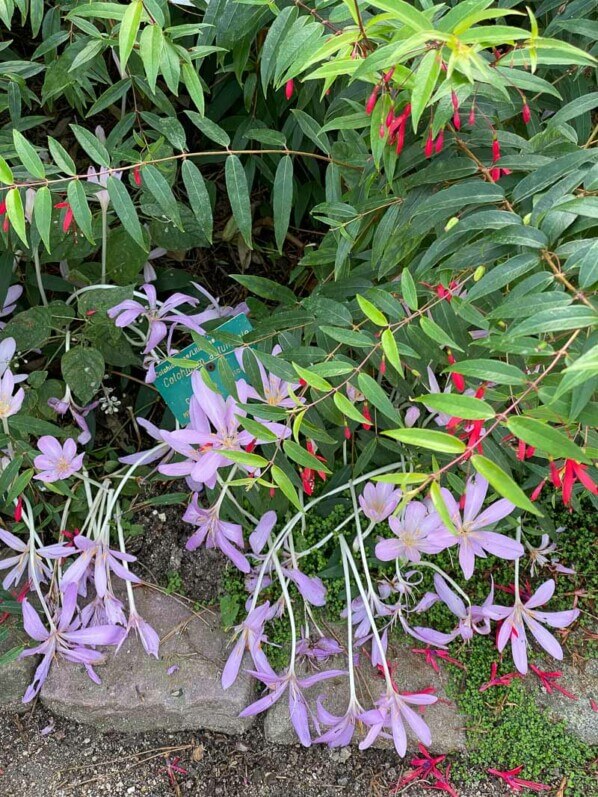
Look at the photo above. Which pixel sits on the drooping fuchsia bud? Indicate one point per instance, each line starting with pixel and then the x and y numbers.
pixel 372 100
pixel 495 150
pixel 382 369
pixel 382 131
pixel 368 416
pixel 457 379
pixel 456 121
pixel 526 113
pixel 455 101
pixel 401 137
pixel 439 142
pixel 387 76
pixel 471 120
pixel 289 88
pixel 137 175
pixel 19 509
pixel 495 175
pixel 407 110
pixel 347 433
pixel 390 117
pixel 429 147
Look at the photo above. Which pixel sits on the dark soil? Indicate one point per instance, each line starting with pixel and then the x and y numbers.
pixel 45 756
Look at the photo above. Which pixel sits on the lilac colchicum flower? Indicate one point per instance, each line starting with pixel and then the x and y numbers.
pixel 100 177
pixel 275 391
pixel 215 533
pixel 79 414
pixel 515 620
pixel 66 639
pixel 415 533
pixel 378 501
pixel 318 650
pixel 104 561
pixel 38 571
pixel 8 348
pixel 205 449
pixel 341 729
pixel 298 709
pixel 127 312
pixel 149 272
pixel 541 557
pixel 387 720
pixel 13 294
pixel 10 402
pixel 472 619
pixel 250 637
pixel 57 462
pixel 473 537
pixel 148 636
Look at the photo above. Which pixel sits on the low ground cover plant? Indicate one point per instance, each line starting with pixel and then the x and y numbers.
pixel 408 194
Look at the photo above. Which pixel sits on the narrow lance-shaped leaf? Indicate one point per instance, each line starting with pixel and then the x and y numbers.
pixel 5 173
pixel 428 438
pixel 286 485
pixel 298 454
pixel 546 438
pixel 468 407
pixel 28 155
pixel 156 184
pixel 81 212
pixel 16 214
pixel 503 483
pixel 313 380
pixel 125 210
pixel 408 289
pixel 371 311
pixel 238 194
pixel 199 199
pixel 348 409
pixel 282 199
pixel 194 87
pixel 128 31
pixel 42 214
pixel 92 146
pixel 441 507
pixel 391 351
pixel 151 42
pixel 424 84
pixel 61 157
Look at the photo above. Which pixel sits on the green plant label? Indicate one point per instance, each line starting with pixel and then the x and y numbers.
pixel 173 375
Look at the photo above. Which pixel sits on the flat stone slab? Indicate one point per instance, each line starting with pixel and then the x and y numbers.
pixel 578 715
pixel 17 674
pixel 137 693
pixel 411 674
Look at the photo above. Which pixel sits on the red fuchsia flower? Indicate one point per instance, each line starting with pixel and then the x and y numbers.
pixel 457 379
pixel 456 117
pixel 549 679
pixel 429 146
pixel 289 88
pixel 308 475
pixel 368 416
pixel 524 451
pixel 387 76
pixel 517 784
pixel 432 656
pixel 566 477
pixel 372 100
pixel 68 216
pixel 526 113
pixel 498 680
pixel 18 515
pixel 439 143
pixel 423 767
pixel 495 150
pixel 390 117
pixel 137 175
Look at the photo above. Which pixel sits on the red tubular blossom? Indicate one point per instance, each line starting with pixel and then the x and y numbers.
pixel 6 224
pixel 382 131
pixel 471 120
pixel 568 481
pixel 555 477
pixel 536 493
pixel 429 146
pixel 137 175
pixel 588 483
pixel 390 116
pixel 387 76
pixel 401 137
pixel 347 432
pixel 517 784
pixel 19 510
pixel 521 450
pixel 548 681
pixel 2 208
pixel 526 113
pixel 439 143
pixel 458 380
pixel 495 150
pixel 495 175
pixel 372 100
pixel 455 101
pixel 289 88
pixel 382 369
pixel 368 416
pixel 456 120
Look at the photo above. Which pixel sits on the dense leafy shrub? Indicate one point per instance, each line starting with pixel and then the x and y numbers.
pixel 436 347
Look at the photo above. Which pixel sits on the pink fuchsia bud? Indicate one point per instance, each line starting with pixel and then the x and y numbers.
pixel 536 493
pixel 471 120
pixel 137 175
pixel 289 89
pixel 5 224
pixel 382 131
pixel 372 100
pixel 19 509
pixel 439 142
pixel 457 379
pixel 387 76
pixel 495 150
pixel 390 117
pixel 382 369
pixel 456 121
pixel 407 111
pixel 347 433
pixel 68 216
pixel 368 416
pixel 495 175
pixel 455 101
pixel 2 208
pixel 429 146
pixel 526 113
pixel 401 138
pixel 272 492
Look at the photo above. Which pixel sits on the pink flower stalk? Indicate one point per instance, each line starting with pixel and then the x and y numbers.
pixel 517 784
pixel 127 312
pixel 392 710
pixel 57 462
pixel 9 404
pixel 473 537
pixel 215 533
pixel 522 615
pixel 66 639
pixel 379 500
